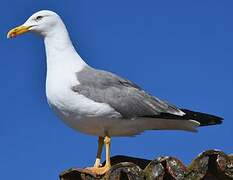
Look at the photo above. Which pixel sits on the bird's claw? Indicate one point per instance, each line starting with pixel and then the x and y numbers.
pixel 98 170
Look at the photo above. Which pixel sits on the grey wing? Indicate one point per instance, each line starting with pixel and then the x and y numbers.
pixel 124 96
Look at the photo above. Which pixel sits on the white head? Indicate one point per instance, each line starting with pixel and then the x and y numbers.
pixel 42 22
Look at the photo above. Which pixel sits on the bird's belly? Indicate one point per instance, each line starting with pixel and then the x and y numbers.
pixel 79 112
pixel 90 117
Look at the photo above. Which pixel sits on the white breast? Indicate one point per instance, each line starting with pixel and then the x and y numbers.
pixel 63 62
pixel 71 107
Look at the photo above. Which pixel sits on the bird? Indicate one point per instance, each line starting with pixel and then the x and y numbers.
pixel 98 102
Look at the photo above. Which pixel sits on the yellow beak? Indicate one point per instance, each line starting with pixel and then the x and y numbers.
pixel 17 31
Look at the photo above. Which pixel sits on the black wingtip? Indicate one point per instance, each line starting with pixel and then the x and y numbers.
pixel 203 118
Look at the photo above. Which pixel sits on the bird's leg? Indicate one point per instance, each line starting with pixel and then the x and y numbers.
pixel 107 141
pixel 97 169
pixel 99 152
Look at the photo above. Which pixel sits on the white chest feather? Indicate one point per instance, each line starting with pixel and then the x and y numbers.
pixel 70 106
pixel 63 64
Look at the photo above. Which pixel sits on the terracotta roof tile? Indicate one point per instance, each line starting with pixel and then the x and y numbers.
pixel 209 165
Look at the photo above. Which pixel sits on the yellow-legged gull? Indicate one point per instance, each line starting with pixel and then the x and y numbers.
pixel 98 102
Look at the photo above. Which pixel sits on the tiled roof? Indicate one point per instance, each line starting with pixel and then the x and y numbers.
pixel 209 165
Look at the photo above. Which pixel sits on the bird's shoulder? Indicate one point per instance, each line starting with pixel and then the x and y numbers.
pixel 103 79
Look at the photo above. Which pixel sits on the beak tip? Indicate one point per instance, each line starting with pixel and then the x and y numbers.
pixel 10 35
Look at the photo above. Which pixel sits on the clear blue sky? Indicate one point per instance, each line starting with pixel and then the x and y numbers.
pixel 180 51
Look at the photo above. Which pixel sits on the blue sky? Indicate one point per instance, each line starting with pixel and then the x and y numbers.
pixel 180 51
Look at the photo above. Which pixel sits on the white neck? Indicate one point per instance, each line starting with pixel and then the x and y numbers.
pixel 59 48
pixel 63 63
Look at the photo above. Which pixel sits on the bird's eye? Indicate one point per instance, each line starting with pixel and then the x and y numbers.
pixel 39 18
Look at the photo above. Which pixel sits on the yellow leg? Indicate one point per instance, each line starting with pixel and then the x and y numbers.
pixel 107 141
pixel 99 152
pixel 97 169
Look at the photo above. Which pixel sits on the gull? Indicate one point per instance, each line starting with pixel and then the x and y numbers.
pixel 98 102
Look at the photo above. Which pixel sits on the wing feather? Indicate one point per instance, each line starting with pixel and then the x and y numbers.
pixel 123 95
